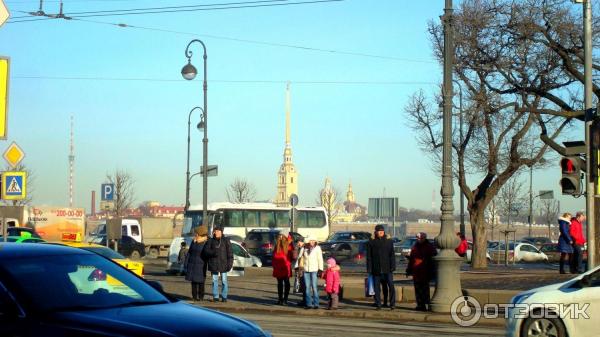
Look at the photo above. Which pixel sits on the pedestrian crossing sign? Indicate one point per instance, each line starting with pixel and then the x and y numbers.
pixel 14 185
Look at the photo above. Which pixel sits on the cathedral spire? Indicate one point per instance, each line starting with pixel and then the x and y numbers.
pixel 287 175
pixel 287 115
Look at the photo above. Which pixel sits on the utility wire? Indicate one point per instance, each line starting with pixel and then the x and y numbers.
pixel 272 44
pixel 179 9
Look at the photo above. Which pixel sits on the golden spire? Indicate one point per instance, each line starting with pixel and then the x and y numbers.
pixel 287 115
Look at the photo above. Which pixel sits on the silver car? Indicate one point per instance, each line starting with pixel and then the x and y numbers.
pixel 241 257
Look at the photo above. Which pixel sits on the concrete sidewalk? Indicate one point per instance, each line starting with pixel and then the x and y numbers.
pixel 256 292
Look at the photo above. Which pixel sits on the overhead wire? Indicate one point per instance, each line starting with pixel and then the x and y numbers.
pixel 191 8
pixel 272 44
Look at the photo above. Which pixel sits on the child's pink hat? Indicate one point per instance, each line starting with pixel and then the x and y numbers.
pixel 331 262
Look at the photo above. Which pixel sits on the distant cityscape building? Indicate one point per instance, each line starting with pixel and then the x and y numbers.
pixel 287 177
pixel 347 211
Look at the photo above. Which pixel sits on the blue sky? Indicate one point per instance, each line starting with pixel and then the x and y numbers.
pixel 344 130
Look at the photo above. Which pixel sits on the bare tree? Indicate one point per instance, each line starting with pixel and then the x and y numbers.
pixel 493 217
pixel 124 190
pixel 328 199
pixel 511 199
pixel 30 181
pixel 240 190
pixel 520 66
pixel 549 212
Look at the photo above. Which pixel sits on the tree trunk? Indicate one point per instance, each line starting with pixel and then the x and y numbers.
pixel 478 256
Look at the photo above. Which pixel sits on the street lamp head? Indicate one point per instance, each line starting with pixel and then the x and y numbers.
pixel 200 125
pixel 189 72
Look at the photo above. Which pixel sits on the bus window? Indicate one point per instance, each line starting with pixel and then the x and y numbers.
pixel 233 219
pixel 315 219
pixel 301 220
pixel 251 219
pixel 282 218
pixel 267 219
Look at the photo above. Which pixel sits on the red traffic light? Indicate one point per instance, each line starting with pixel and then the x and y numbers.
pixel 570 165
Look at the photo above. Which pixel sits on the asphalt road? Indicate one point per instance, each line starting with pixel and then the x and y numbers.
pixel 302 326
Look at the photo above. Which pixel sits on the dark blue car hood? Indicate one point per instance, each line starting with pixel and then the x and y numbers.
pixel 172 319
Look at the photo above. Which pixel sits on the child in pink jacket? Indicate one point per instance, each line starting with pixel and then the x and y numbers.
pixel 332 283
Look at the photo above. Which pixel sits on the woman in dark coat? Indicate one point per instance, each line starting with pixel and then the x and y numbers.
pixel 195 263
pixel 565 242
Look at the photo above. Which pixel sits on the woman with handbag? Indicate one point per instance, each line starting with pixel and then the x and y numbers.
pixel 313 267
pixel 282 271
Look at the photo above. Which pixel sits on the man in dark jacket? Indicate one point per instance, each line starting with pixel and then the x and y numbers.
pixel 422 269
pixel 220 261
pixel 381 263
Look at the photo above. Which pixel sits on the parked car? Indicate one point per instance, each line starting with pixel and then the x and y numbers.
pixel 537 241
pixel 519 252
pixel 527 316
pixel 403 249
pixel 344 245
pixel 126 245
pixel 55 290
pixel 551 250
pixel 261 242
pixel 22 239
pixel 553 253
pixel 134 266
pixel 241 257
pixel 18 231
pixel 348 252
pixel 470 252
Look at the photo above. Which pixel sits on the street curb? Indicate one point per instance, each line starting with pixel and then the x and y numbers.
pixel 399 314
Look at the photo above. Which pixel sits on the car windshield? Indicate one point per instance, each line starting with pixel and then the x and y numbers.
pixel 104 251
pixel 76 282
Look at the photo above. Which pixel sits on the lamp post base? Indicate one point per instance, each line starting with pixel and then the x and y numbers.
pixel 447 287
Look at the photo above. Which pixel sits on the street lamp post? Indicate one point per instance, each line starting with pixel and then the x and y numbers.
pixel 189 72
pixel 460 122
pixel 187 173
pixel 447 288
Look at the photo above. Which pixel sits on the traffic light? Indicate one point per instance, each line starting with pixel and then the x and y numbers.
pixel 570 183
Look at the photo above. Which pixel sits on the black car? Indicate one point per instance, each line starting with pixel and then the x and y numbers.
pixel 261 243
pixel 54 290
pixel 127 246
pixel 18 231
pixel 346 246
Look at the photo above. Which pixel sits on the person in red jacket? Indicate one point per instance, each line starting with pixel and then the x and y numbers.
pixel 576 232
pixel 331 275
pixel 461 250
pixel 282 267
pixel 422 269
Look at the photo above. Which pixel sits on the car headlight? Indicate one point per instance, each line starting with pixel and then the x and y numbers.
pixel 520 298
pixel 334 245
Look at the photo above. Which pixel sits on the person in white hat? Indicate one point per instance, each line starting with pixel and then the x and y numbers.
pixel 312 257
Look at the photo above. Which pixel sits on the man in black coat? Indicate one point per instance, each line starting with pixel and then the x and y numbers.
pixel 220 260
pixel 381 263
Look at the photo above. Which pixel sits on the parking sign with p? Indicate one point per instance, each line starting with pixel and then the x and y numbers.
pixel 108 192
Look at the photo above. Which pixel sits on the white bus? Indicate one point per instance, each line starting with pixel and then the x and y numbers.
pixel 239 219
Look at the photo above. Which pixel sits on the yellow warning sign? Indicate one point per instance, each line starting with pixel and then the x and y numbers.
pixel 13 155
pixel 4 76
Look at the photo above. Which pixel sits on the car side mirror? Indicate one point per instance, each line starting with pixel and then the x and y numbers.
pixel 156 285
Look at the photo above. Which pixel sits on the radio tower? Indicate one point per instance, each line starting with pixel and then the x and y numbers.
pixel 71 166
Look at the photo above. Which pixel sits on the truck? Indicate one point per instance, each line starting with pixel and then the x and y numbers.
pixel 52 223
pixel 155 233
